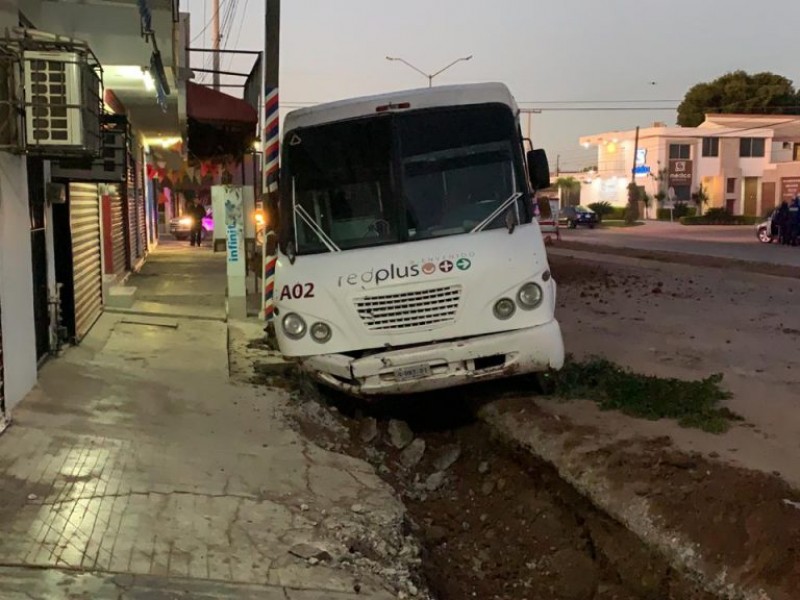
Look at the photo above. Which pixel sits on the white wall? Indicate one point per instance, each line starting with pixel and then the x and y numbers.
pixel 16 280
pixel 781 154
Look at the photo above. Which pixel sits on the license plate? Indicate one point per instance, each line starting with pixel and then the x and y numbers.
pixel 413 372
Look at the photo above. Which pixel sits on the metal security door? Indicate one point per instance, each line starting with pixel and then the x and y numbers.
pixel 141 209
pixel 137 226
pixel 133 219
pixel 117 230
pixel 2 379
pixel 84 219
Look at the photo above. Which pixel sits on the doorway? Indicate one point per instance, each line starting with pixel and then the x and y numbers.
pixel 751 196
pixel 41 307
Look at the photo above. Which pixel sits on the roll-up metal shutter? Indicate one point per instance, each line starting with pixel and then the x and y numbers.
pixel 137 224
pixel 2 379
pixel 133 219
pixel 140 206
pixel 84 218
pixel 117 233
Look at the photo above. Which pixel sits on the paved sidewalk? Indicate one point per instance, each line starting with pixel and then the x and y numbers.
pixel 138 469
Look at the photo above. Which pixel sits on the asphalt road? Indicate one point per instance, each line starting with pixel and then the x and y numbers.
pixel 737 242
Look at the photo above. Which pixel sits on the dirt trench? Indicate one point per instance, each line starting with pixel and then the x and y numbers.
pixel 495 523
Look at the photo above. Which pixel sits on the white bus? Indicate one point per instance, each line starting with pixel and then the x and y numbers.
pixel 409 258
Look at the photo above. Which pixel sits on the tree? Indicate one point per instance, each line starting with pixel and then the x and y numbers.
pixel 700 198
pixel 570 190
pixel 602 209
pixel 739 92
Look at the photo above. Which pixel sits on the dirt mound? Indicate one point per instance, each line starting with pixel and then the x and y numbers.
pixel 747 520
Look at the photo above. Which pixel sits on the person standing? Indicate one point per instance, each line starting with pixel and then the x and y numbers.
pixel 198 213
pixel 794 221
pixel 782 225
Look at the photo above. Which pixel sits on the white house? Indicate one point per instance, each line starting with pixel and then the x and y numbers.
pixel 745 163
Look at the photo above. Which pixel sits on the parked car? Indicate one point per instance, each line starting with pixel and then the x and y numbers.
pixel 580 215
pixel 767 230
pixel 181 227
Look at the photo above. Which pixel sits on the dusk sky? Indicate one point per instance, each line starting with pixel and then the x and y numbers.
pixel 571 52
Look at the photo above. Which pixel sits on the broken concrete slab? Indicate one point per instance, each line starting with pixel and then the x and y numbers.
pixel 447 456
pixel 412 454
pixel 400 434
pixel 309 551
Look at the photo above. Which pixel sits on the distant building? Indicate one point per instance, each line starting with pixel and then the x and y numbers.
pixel 745 163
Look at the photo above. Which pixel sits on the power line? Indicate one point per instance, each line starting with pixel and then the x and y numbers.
pixel 593 101
pixel 607 108
pixel 208 23
pixel 239 32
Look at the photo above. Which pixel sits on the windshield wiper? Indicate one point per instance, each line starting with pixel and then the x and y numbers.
pixel 315 227
pixel 497 212
pixel 323 237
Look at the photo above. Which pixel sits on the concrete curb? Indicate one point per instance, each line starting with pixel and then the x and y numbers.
pixel 166 314
pixel 621 504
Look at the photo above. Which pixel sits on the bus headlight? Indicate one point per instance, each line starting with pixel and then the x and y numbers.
pixel 320 332
pixel 504 309
pixel 529 296
pixel 294 326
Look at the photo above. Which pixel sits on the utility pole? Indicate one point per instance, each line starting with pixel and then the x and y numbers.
pixel 215 41
pixel 635 154
pixel 632 214
pixel 530 112
pixel 270 139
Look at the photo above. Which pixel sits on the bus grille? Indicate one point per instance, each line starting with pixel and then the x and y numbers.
pixel 409 310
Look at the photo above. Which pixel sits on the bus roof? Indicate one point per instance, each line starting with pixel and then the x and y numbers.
pixel 353 108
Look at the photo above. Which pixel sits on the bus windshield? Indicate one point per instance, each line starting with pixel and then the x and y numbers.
pixel 402 177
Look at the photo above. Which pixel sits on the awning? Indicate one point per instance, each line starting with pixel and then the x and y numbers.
pixel 218 124
pixel 215 108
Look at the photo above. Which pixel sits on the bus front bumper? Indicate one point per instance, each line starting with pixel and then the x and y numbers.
pixel 442 365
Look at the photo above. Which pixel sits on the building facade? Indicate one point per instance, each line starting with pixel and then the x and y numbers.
pixel 94 85
pixel 744 163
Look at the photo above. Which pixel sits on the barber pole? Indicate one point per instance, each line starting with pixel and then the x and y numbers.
pixel 268 297
pixel 271 140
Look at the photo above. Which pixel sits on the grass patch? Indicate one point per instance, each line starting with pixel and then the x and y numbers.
pixel 694 404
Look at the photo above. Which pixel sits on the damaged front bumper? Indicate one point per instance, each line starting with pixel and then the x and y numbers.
pixel 441 365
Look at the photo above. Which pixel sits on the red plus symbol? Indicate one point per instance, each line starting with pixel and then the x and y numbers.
pixel 446 266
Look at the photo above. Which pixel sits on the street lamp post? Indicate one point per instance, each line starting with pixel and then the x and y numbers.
pixel 430 76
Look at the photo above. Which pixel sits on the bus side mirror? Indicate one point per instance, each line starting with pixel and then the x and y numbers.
pixel 538 169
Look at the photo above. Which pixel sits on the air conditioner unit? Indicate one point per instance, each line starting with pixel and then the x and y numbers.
pixel 62 103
